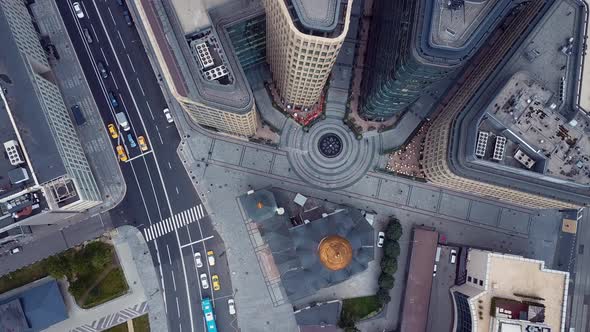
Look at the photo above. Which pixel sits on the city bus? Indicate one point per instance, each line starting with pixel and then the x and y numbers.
pixel 208 313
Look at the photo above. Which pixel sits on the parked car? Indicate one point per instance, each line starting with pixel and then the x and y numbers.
pixel 204 281
pixel 87 35
pixel 102 69
pixel 168 115
pixel 198 260
pixel 381 239
pixel 121 153
pixel 78 115
pixel 215 281
pixel 232 306
pixel 434 271
pixel 78 9
pixel 113 99
pixel 453 256
pixel 211 258
pixel 113 130
pixel 131 141
pixel 16 250
pixel 128 18
pixel 142 144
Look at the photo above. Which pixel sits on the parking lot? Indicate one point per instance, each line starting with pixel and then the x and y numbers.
pixel 440 311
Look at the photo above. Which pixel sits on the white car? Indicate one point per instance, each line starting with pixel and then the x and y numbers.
pixel 232 306
pixel 204 281
pixel 211 258
pixel 453 256
pixel 381 239
pixel 198 260
pixel 78 10
pixel 168 115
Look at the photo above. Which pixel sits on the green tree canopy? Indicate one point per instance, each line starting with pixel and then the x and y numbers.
pixel 394 229
pixel 383 295
pixel 386 281
pixel 391 249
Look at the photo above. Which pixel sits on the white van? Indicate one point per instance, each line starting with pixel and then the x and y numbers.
pixel 438 250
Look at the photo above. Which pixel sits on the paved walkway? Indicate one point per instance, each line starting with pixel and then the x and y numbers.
pixel 144 294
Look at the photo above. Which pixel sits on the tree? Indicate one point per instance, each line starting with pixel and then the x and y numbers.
pixel 391 267
pixel 58 266
pixel 394 229
pixel 391 249
pixel 386 281
pixel 383 296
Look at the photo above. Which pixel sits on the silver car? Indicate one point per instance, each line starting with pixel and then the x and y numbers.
pixel 198 260
pixel 78 9
pixel 204 281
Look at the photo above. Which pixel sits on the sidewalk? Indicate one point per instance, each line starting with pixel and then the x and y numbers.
pixel 144 292
pixel 75 90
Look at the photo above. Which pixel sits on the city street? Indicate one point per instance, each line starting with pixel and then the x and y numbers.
pixel 160 199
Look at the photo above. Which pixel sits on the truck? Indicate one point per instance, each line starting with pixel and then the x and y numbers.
pixel 122 121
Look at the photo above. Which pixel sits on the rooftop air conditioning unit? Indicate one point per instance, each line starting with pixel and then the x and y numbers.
pixel 13 153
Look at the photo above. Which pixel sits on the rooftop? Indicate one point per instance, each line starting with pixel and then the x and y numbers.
pixel 319 15
pixel 17 79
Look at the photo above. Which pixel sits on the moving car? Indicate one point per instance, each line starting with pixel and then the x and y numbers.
pixel 453 256
pixel 204 281
pixel 215 280
pixel 128 18
pixel 131 141
pixel 16 250
pixel 381 239
pixel 113 99
pixel 121 153
pixel 113 130
pixel 232 306
pixel 142 144
pixel 198 260
pixel 211 258
pixel 87 35
pixel 168 115
pixel 78 10
pixel 102 69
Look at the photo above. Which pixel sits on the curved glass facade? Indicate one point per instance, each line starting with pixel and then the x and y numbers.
pixel 248 38
pixel 463 312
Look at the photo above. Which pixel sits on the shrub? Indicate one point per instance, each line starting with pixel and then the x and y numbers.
pixel 383 295
pixel 389 266
pixel 386 281
pixel 58 266
pixel 391 249
pixel 394 229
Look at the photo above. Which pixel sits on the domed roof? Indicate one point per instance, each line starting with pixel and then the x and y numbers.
pixel 335 252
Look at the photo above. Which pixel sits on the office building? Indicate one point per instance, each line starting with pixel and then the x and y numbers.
pixel 47 170
pixel 509 293
pixel 303 41
pixel 416 43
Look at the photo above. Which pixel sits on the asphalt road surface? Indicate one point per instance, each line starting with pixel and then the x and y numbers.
pixel 160 200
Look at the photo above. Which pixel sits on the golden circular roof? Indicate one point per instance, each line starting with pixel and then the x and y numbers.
pixel 335 252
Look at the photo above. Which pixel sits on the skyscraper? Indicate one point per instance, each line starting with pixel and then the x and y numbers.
pixel 303 41
pixel 415 43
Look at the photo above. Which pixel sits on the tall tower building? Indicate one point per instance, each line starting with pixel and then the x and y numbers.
pixel 415 43
pixel 303 41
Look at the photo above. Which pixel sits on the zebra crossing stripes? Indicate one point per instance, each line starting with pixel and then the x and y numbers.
pixel 178 220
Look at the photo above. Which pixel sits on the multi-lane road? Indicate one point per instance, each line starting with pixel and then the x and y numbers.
pixel 160 199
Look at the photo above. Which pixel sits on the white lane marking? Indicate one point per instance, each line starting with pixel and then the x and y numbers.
pixel 177 307
pixel 114 81
pixel 198 241
pixel 85 11
pixel 169 256
pixel 121 39
pixel 150 109
pixel 112 17
pixel 104 56
pixel 131 63
pixel 140 87
pixel 194 214
pixel 161 141
pixel 177 192
pixel 169 165
pixel 176 224
pixel 172 223
pixel 202 212
pixel 95 34
pixel 173 281
pixel 139 156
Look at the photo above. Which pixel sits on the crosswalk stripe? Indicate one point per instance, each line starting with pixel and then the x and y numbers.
pixel 169 225
pixel 145 234
pixel 150 234
pixel 200 207
pixel 176 224
pixel 198 212
pixel 160 230
pixel 193 215
pixel 164 228
pixel 184 218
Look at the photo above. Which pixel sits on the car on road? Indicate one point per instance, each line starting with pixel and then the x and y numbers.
pixel 78 116
pixel 198 260
pixel 16 250
pixel 381 239
pixel 434 271
pixel 453 256
pixel 232 306
pixel 121 2
pixel 102 69
pixel 215 281
pixel 78 9
pixel 142 144
pixel 131 141
pixel 168 115
pixel 121 153
pixel 211 258
pixel 204 281
pixel 113 130
pixel 87 35
pixel 128 18
pixel 113 99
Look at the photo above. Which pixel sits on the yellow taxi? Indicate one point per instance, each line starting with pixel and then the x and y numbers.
pixel 121 153
pixel 215 280
pixel 142 144
pixel 113 131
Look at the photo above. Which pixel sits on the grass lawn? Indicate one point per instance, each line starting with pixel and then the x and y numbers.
pixel 359 307
pixel 141 324
pixel 23 276
pixel 112 286
pixel 118 328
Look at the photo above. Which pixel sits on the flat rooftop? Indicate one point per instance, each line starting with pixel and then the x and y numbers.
pixel 192 14
pixel 453 26
pixel 509 275
pixel 529 110
pixel 319 15
pixel 16 75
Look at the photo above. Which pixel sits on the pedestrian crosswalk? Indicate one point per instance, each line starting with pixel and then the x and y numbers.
pixel 176 221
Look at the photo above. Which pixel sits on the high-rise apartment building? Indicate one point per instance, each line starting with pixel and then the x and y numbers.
pixel 207 81
pixel 47 169
pixel 415 43
pixel 303 41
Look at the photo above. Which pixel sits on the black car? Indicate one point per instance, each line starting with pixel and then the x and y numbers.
pixel 78 116
pixel 128 18
pixel 102 69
